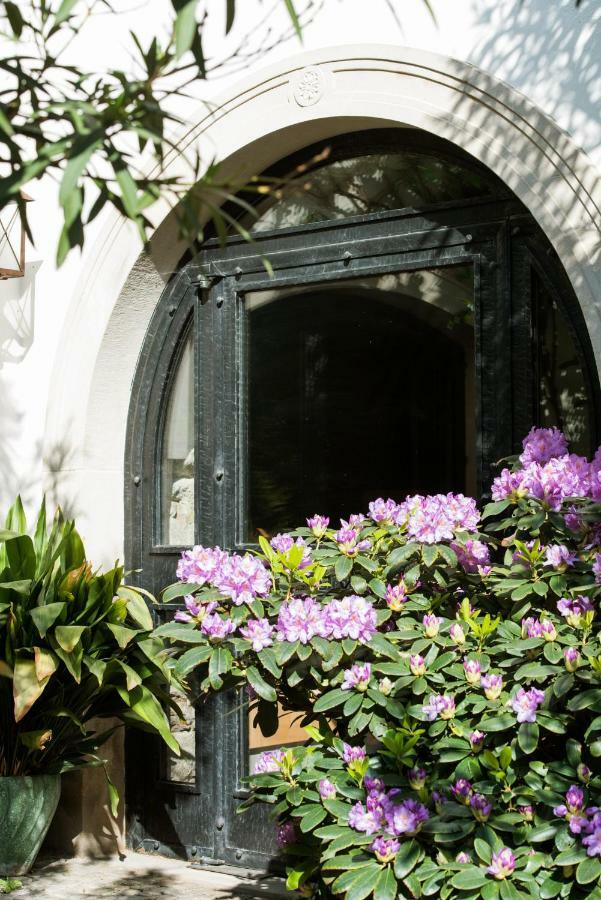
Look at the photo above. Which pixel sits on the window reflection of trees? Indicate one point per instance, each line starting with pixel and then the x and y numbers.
pixel 375 182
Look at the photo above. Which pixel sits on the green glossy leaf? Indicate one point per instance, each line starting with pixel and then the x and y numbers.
pixel 588 870
pixel 44 617
pixel 260 686
pixel 470 878
pixel 528 734
pixel 406 859
pixel 386 885
pixel 343 567
pixel 330 700
pixel 68 636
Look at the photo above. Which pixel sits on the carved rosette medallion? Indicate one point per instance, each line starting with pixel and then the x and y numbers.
pixel 308 86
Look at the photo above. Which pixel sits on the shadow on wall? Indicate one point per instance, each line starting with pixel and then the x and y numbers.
pixel 549 48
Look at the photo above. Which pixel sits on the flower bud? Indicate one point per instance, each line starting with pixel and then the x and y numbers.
pixel 549 630
pixel 416 778
pixel 385 686
pixel 584 773
pixel 457 634
pixel 463 857
pixel 571 658
pixel 417 664
pixel 526 812
pixel 493 685
pixel 476 740
pixel 431 625
pixel 472 671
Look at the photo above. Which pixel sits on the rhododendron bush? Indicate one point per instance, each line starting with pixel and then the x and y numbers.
pixel 446 664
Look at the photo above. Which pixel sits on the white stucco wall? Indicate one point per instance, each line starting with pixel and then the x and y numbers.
pixel 69 344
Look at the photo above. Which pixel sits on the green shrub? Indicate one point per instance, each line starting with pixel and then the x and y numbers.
pixel 75 645
pixel 447 667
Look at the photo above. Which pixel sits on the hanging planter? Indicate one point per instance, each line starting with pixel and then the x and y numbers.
pixel 27 807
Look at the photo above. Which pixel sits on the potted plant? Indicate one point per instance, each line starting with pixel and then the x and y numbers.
pixel 76 645
pixel 446 663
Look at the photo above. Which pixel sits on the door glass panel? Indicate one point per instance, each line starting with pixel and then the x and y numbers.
pixel 356 390
pixel 561 389
pixel 177 466
pixel 371 183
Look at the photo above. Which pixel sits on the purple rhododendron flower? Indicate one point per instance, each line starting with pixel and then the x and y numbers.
pixel 363 818
pixel 463 857
pixel 436 518
pixel 525 704
pixel 348 543
pixel 526 812
pixel 351 617
pixel 574 609
pixel 302 619
pixel 396 595
pixel 318 525
pixel 259 632
pixel 242 578
pixel 350 753
pixel 492 686
pixel 216 628
pixel 439 705
pixel 531 628
pixel 502 864
pixel 269 761
pixel 542 444
pixel 385 511
pixel 193 608
pixel 592 841
pixel 282 543
pixel 354 521
pixel 473 556
pixel 554 481
pixel 559 556
pixel 385 848
pixel 286 834
pixel 357 677
pixel 326 789
pixel 406 817
pixel 200 565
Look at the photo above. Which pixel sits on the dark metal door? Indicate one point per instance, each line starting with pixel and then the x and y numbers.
pixel 197 818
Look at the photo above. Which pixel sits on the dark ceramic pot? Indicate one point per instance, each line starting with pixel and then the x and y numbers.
pixel 27 806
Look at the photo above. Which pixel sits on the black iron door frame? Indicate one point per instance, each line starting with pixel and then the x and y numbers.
pixel 208 296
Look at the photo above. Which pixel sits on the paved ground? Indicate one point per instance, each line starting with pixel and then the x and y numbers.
pixel 142 877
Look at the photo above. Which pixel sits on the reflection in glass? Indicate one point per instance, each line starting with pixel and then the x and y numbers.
pixel 367 184
pixel 358 390
pixel 562 393
pixel 177 468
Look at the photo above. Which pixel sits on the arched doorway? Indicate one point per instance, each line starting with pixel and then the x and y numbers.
pixel 397 324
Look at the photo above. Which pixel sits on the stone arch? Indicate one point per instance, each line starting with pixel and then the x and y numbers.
pixel 310 97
